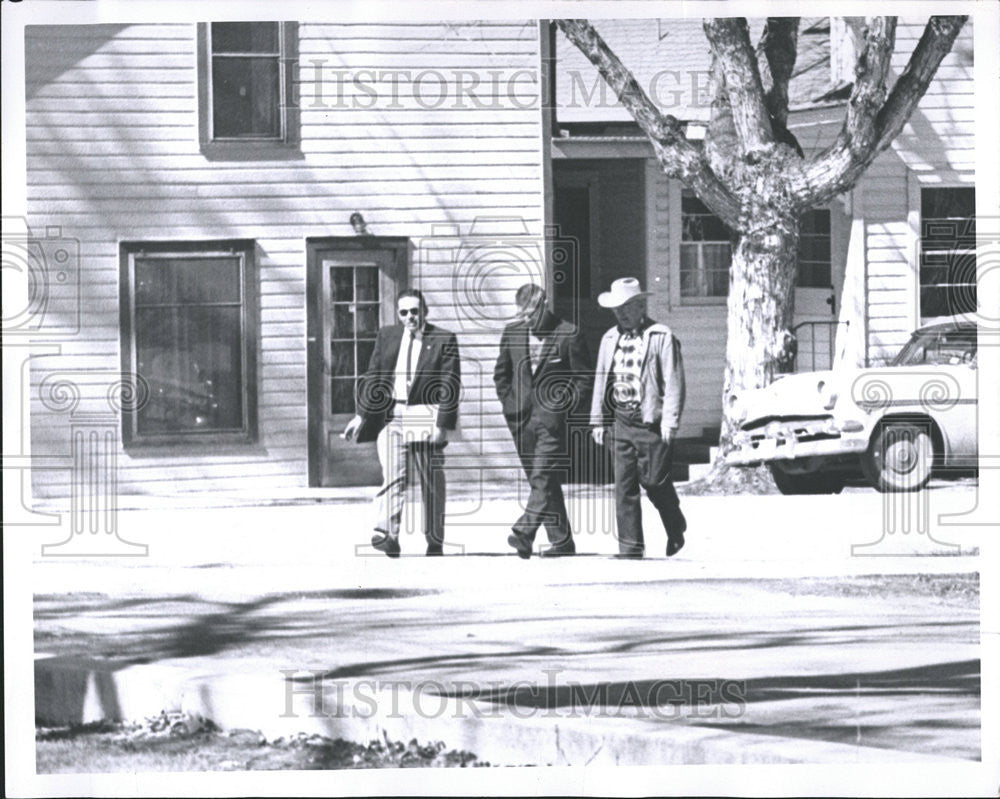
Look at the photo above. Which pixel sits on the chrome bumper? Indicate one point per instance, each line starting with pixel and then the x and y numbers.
pixel 790 440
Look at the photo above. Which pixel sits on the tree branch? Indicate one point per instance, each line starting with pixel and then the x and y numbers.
pixel 780 41
pixel 869 91
pixel 869 129
pixel 730 41
pixel 677 156
pixel 935 43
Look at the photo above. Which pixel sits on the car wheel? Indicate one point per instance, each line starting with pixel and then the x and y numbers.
pixel 900 458
pixel 805 482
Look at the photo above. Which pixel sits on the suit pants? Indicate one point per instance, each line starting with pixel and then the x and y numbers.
pixel 545 459
pixel 400 457
pixel 642 460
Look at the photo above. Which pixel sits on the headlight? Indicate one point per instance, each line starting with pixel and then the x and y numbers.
pixel 827 395
pixel 737 408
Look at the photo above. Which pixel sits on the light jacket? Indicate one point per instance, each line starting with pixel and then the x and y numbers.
pixel 662 379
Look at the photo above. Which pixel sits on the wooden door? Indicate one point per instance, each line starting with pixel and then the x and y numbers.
pixel 355 294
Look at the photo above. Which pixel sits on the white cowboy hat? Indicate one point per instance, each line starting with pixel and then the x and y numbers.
pixel 622 290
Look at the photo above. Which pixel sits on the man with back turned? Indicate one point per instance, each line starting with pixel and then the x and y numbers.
pixel 542 370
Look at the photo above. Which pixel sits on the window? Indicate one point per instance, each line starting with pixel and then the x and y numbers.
pixel 939 346
pixel 947 251
pixel 355 306
pixel 705 251
pixel 188 337
pixel 814 250
pixel 246 88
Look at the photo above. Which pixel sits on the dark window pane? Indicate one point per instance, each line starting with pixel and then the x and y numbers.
pixel 947 259
pixel 365 349
pixel 186 280
pixel 342 359
pixel 343 321
pixel 367 277
pixel 190 358
pixel 245 37
pixel 341 395
pixel 815 220
pixel 948 203
pixel 342 284
pixel 698 223
pixel 246 98
pixel 367 319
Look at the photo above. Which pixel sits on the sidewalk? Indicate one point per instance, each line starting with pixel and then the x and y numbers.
pixel 764 640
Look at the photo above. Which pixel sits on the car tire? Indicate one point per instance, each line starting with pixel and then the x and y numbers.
pixel 899 458
pixel 805 482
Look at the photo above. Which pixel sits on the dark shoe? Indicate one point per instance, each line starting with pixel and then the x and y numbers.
pixel 675 536
pixel 387 544
pixel 561 551
pixel 628 555
pixel 434 550
pixel 521 544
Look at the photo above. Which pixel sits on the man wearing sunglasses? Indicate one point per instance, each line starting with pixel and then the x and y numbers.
pixel 542 371
pixel 407 402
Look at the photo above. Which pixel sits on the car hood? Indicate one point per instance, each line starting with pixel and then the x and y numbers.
pixel 802 394
pixel 869 389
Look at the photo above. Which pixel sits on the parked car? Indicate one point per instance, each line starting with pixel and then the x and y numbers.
pixel 893 425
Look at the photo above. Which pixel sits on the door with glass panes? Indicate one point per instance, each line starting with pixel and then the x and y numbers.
pixel 355 294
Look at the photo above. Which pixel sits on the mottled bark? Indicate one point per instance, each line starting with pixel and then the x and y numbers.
pixel 730 43
pixel 721 144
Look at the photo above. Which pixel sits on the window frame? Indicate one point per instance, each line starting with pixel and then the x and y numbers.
pixel 722 299
pixel 820 209
pixel 965 246
pixel 285 147
pixel 711 299
pixel 186 441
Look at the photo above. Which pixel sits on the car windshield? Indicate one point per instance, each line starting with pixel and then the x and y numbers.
pixel 949 346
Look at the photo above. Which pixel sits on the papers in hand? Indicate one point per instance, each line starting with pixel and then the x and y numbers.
pixel 419 421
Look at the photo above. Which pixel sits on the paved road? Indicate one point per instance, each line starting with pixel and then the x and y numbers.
pixel 767 623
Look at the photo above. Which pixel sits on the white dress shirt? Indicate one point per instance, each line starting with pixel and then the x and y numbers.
pixel 400 385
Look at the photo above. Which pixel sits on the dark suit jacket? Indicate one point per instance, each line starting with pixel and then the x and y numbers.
pixel 436 379
pixel 560 382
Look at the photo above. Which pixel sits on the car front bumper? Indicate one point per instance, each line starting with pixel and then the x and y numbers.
pixel 788 440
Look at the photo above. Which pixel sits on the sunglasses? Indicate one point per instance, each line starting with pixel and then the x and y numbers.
pixel 404 312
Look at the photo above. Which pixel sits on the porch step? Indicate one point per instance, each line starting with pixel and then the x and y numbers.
pixel 696 471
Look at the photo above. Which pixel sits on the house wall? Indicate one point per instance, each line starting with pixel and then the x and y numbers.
pixel 113 154
pixel 935 148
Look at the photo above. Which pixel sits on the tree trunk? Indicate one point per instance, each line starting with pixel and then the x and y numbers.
pixel 759 343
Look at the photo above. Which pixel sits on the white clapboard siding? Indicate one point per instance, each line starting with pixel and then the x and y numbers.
pixel 113 154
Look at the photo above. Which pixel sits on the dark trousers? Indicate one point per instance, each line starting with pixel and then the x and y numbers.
pixel 642 460
pixel 545 459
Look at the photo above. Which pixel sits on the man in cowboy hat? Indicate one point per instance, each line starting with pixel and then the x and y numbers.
pixel 542 369
pixel 639 390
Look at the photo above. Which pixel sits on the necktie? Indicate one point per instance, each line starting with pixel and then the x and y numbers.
pixel 409 364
